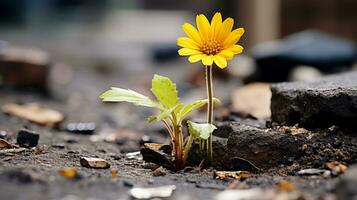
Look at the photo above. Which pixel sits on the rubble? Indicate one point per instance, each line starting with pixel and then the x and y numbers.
pixel 320 103
pixel 27 138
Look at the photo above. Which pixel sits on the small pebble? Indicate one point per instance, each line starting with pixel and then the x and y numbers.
pixel 27 138
pixel 96 163
pixel 149 193
pixel 114 172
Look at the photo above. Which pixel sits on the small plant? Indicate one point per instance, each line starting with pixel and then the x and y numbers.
pixel 210 43
pixel 171 114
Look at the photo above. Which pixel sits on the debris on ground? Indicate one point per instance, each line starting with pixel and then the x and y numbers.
pixel 96 163
pixel 5 144
pixel 34 113
pixel 336 167
pixel 240 175
pixel 27 138
pixel 150 193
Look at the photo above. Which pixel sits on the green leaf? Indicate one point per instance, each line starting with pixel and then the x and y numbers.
pixel 164 114
pixel 202 131
pixel 192 106
pixel 165 91
pixel 123 95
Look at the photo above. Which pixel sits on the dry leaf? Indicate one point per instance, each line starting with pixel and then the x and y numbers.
pixel 240 175
pixel 336 167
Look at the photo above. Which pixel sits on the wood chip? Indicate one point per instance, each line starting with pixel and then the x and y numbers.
pixel 5 144
pixel 253 99
pixel 34 113
pixel 96 163
pixel 239 175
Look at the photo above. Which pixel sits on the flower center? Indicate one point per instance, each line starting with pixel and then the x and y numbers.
pixel 211 47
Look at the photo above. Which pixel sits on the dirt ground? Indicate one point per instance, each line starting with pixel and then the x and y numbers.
pixel 33 173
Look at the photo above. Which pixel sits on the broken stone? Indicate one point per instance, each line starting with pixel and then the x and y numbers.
pixel 96 163
pixel 27 138
pixel 68 172
pixel 253 99
pixel 158 154
pixel 34 113
pixel 346 187
pixel 321 103
pixel 313 172
pixel 239 175
pixel 5 144
pixel 24 68
pixel 263 148
pixel 149 193
pixel 81 128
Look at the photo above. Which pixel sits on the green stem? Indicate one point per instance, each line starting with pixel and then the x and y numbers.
pixel 209 110
pixel 177 144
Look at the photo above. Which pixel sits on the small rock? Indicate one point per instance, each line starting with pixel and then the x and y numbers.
pixel 159 172
pixel 134 155
pixel 312 172
pixel 249 194
pixel 5 144
pixel 68 172
pixel 240 175
pixel 96 163
pixel 34 113
pixel 149 193
pixel 38 150
pixel 3 134
pixel 58 146
pixel 158 154
pixel 27 138
pixel 87 128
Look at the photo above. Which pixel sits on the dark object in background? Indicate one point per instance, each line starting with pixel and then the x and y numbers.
pixel 164 53
pixel 329 54
pixel 86 128
pixel 321 103
pixel 22 68
pixel 27 138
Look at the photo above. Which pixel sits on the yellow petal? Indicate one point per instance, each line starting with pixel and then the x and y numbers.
pixel 191 32
pixel 187 52
pixel 187 42
pixel 236 49
pixel 227 54
pixel 234 37
pixel 220 61
pixel 203 26
pixel 216 23
pixel 195 58
pixel 207 60
pixel 226 29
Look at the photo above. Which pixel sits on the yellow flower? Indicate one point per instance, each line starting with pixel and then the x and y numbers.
pixel 210 42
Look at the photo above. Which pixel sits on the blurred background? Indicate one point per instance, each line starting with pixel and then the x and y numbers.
pixel 73 50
